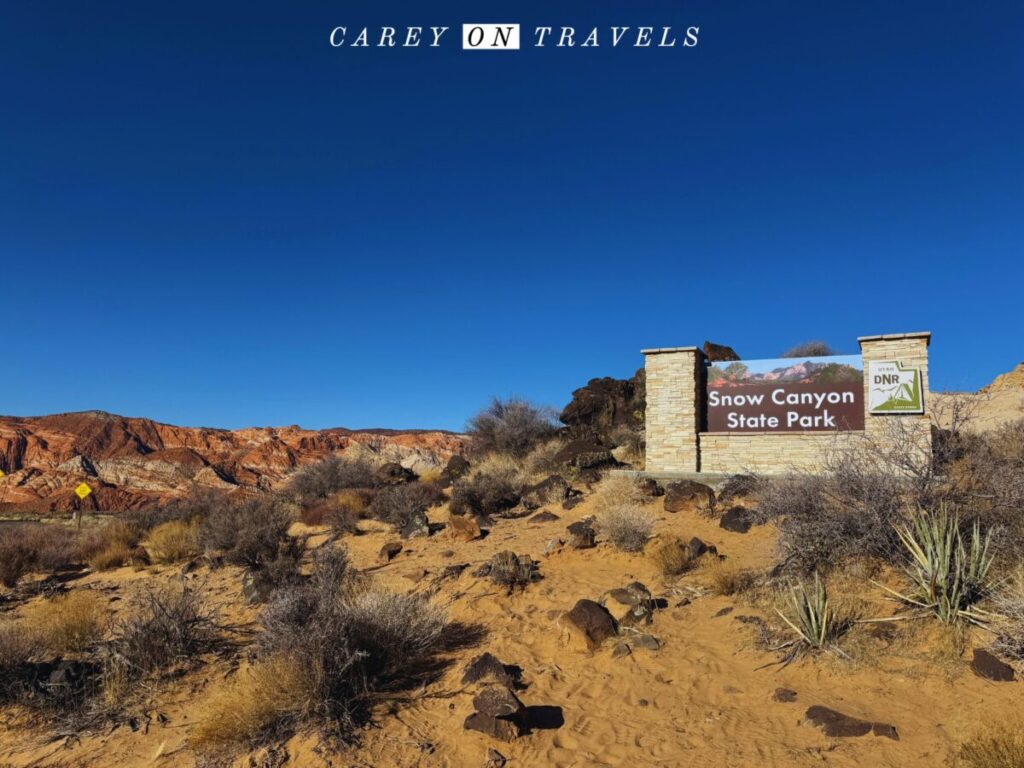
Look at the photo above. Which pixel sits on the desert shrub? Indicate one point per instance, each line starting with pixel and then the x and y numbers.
pixel 67 623
pixel 949 577
pixel 400 504
pixel 541 461
pixel 248 531
pixel 333 474
pixel 17 643
pixel 108 546
pixel 728 578
pixel 491 489
pixel 812 618
pixel 633 442
pixel 512 426
pixel 617 492
pixel 1009 619
pixel 168 625
pixel 628 527
pixel 255 704
pixel 810 349
pixel 510 570
pixel 672 557
pixel 114 555
pixel 357 641
pixel 994 745
pixel 34 547
pixel 173 542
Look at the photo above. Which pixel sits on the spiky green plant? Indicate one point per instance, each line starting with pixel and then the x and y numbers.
pixel 814 620
pixel 949 578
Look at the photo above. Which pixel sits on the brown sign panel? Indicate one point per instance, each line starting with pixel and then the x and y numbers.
pixel 823 394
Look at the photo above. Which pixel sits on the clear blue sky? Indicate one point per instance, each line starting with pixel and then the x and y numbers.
pixel 210 217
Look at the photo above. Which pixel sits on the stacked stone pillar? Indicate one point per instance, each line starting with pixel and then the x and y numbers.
pixel 675 408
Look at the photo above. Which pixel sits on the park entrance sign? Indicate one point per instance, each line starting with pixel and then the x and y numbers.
pixel 782 415
pixel 814 394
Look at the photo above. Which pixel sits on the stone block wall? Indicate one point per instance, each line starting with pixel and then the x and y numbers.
pixel 675 418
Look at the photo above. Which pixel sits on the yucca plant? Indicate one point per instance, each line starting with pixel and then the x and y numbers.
pixel 814 621
pixel 949 578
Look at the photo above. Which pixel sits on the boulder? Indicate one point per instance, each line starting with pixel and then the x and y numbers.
pixel 456 467
pixel 393 473
pixel 604 405
pixel 488 668
pixel 588 625
pixel 463 528
pixel 495 727
pixel 495 759
pixel 582 534
pixel 551 490
pixel 737 520
pixel 389 551
pixel 544 517
pixel 716 353
pixel 985 665
pixel 836 724
pixel 685 492
pixel 697 548
pixel 648 486
pixel 784 695
pixel 498 701
pixel 571 502
pixel 585 454
pixel 417 526
pixel 647 642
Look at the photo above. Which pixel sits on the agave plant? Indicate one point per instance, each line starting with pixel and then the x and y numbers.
pixel 814 621
pixel 949 578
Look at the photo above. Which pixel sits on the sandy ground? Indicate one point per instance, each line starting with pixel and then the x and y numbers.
pixel 704 698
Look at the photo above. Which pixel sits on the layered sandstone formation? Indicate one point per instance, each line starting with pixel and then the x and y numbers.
pixel 133 462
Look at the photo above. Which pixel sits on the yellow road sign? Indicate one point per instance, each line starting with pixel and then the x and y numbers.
pixel 82 491
pixel 1 473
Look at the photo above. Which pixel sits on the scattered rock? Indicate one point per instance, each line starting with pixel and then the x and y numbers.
pixel 631 595
pixel 836 724
pixel 724 612
pixel 553 546
pixel 456 467
pixel 495 727
pixel 784 695
pixel 985 665
pixel 737 520
pixel 452 571
pixel 572 502
pixel 648 486
pixel 487 667
pixel 498 701
pixel 463 527
pixel 582 534
pixel 417 526
pixel 620 649
pixel 494 759
pixel 389 551
pixel 139 557
pixel 698 548
pixel 684 492
pixel 717 353
pixel 585 454
pixel 589 624
pixel 647 642
pixel 510 570
pixel 393 473
pixel 643 702
pixel 543 517
pixel 552 489
pixel 638 603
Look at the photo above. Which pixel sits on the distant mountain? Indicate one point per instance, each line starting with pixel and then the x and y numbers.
pixel 808 371
pixel 134 462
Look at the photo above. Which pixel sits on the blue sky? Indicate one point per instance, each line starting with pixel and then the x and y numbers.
pixel 210 217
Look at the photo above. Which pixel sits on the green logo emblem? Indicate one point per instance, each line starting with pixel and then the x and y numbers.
pixel 893 388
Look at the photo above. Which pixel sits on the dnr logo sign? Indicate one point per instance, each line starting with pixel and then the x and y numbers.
pixel 893 388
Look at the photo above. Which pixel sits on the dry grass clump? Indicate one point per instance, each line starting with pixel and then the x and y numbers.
pixel 68 623
pixel 994 745
pixel 255 704
pixel 356 641
pixel 249 531
pixel 628 527
pixel 169 625
pixel 672 556
pixel 1008 622
pixel 173 542
pixel 617 492
pixel 401 504
pixel 34 547
pixel 512 427
pixel 728 578
pixel 491 489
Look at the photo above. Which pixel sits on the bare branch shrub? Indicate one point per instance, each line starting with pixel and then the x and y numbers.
pixel 512 426
pixel 493 488
pixel 400 504
pixel 324 478
pixel 67 623
pixel 249 531
pixel 672 556
pixel 34 547
pixel 628 527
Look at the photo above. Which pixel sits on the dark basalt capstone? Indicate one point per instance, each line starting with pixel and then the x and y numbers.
pixel 737 520
pixel 717 353
pixel 985 665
